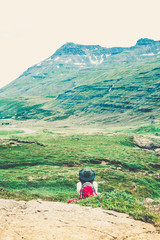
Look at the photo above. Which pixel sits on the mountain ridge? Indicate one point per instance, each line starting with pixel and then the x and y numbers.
pixel 84 80
pixel 78 49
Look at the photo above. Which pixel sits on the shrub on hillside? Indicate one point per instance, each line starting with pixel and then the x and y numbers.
pixel 121 201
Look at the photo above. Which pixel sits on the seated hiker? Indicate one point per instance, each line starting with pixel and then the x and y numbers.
pixel 87 183
pixel 87 186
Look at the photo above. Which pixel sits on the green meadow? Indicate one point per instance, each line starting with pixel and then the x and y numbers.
pixel 10 132
pixel 46 165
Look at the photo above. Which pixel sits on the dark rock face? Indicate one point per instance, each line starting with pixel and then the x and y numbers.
pixel 95 54
pixel 69 48
pixel 77 49
pixel 145 41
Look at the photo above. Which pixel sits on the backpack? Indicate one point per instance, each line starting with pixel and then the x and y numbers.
pixel 87 190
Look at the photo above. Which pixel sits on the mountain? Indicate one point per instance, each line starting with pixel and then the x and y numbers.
pixel 89 82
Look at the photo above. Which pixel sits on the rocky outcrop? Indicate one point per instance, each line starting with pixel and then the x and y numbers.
pixel 38 220
pixel 145 41
pixel 146 143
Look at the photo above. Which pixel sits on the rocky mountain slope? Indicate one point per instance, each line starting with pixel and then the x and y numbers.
pixel 90 81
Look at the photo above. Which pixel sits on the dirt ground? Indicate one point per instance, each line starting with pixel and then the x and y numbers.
pixel 40 220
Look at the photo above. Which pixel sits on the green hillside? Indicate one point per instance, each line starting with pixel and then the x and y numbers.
pixel 88 83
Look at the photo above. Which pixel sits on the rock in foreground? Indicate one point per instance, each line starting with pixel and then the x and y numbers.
pixel 39 220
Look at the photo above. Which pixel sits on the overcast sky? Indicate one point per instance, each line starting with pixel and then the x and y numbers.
pixel 32 30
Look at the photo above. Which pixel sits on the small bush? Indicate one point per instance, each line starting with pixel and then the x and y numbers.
pixel 148 129
pixel 121 201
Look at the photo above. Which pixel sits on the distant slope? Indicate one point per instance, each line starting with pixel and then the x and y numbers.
pixel 100 84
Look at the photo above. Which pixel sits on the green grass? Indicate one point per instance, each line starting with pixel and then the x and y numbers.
pixel 46 165
pixel 154 129
pixel 120 201
pixel 10 132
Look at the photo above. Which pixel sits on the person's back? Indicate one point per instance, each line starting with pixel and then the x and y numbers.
pixel 87 175
pixel 79 186
pixel 87 190
pixel 87 186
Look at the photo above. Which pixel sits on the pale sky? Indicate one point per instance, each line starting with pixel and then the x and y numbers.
pixel 32 30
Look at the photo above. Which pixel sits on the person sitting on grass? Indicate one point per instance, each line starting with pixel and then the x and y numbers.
pixel 87 186
pixel 86 177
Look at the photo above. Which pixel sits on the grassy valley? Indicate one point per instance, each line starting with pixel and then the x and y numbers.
pixel 46 164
